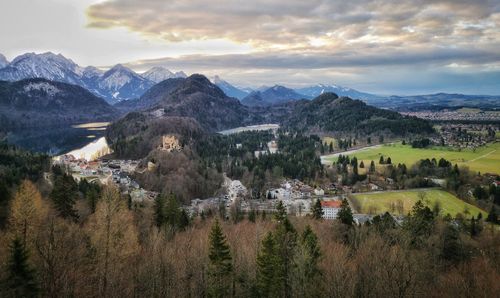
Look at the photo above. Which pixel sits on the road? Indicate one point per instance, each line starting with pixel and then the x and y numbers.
pixel 324 158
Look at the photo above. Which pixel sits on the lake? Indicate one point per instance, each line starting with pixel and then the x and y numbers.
pixel 61 140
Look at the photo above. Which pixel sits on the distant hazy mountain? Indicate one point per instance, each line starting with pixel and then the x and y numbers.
pixel 229 89
pixel 121 83
pixel 438 101
pixel 314 91
pixel 40 102
pixel 159 73
pixel 117 84
pixel 271 96
pixel 3 61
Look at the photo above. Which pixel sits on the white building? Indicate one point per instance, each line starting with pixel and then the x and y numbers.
pixel 330 209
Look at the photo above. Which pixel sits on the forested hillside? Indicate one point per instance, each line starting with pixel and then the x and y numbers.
pixel 329 113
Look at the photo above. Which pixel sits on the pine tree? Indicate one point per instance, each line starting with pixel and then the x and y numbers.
pixel 20 281
pixel 389 161
pixel 473 227
pixel 372 167
pixel 159 208
pixel 345 213
pixel 280 214
pixel 419 223
pixel 252 215
pixel 286 244
pixel 381 160
pixel 63 195
pixel 361 165
pixel 220 263
pixel 309 242
pixel 492 216
pixel 184 220
pixel 266 267
pixel 172 212
pixel 317 210
pixel 452 247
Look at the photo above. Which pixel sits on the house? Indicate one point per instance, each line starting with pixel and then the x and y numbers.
pixel 361 219
pixel 319 192
pixel 330 209
pixel 239 146
pixel 273 147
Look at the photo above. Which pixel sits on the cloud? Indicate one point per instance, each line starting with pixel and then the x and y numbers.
pixel 304 39
pixel 292 23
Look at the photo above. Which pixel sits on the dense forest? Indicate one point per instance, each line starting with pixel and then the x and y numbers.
pixel 15 165
pixel 329 113
pixel 119 250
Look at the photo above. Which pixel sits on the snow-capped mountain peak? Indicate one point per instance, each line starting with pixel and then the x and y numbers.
pixel 3 61
pixel 160 73
pixel 180 74
pixel 229 89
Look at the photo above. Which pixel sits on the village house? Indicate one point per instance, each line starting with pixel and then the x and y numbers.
pixel 330 209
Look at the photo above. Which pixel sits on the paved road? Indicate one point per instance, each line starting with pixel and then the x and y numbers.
pixel 325 158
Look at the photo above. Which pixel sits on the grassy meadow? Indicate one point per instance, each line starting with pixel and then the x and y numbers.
pixel 485 159
pixel 401 202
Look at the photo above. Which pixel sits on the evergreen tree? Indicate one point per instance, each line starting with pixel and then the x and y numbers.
pixel 20 281
pixel 345 213
pixel 286 244
pixel 389 161
pixel 361 165
pixel 280 214
pixel 309 242
pixel 159 209
pixel 473 227
pixel 372 167
pixel 381 160
pixel 220 266
pixel 252 215
pixel 184 220
pixel 317 210
pixel 64 194
pixel 172 212
pixel 452 247
pixel 492 216
pixel 266 267
pixel 419 223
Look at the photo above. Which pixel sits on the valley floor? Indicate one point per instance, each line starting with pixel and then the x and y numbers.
pixel 485 159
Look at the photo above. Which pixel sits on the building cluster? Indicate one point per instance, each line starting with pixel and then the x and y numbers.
pixel 447 115
pixel 106 172
pixel 466 135
pixel 234 189
pixel 271 148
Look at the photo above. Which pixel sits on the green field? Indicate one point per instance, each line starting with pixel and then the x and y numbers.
pixel 485 159
pixel 397 201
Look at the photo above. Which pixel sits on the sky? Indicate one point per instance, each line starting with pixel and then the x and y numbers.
pixel 378 46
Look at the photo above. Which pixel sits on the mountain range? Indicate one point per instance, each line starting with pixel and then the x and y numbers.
pixel 119 84
pixel 42 103
pixel 114 85
pixel 271 96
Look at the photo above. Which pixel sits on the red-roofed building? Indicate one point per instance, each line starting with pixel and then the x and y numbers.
pixel 330 209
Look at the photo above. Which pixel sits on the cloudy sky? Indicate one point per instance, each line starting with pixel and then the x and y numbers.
pixel 379 46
